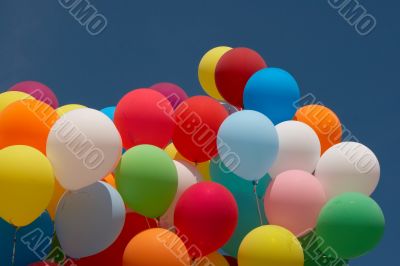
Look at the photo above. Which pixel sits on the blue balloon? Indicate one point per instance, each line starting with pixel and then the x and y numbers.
pixel 32 242
pixel 109 111
pixel 273 92
pixel 248 144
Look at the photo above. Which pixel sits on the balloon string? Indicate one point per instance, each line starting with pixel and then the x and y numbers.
pixel 255 183
pixel 14 246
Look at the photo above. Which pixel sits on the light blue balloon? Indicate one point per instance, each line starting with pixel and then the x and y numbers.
pixel 248 144
pixel 89 220
pixel 109 111
pixel 32 242
pixel 273 92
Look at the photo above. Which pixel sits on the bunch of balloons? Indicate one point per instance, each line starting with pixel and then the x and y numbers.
pixel 243 176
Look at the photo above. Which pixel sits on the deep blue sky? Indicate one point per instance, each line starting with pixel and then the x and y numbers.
pixel 152 41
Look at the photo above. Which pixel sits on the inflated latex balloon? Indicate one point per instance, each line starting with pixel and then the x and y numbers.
pixel 273 92
pixel 134 224
pixel 248 144
pixel 89 220
pixel 206 214
pixel 67 108
pixel 270 245
pixel 206 72
pixel 233 71
pixel 299 148
pixel 26 184
pixel 143 116
pixel 37 90
pixel 187 176
pixel 147 180
pixel 7 233
pixel 197 122
pixel 348 167
pixel 214 259
pixel 324 122
pixel 57 194
pixel 171 91
pixel 351 224
pixel 83 147
pixel 156 247
pixel 110 179
pixel 26 122
pixel 294 200
pixel 8 97
pixel 109 111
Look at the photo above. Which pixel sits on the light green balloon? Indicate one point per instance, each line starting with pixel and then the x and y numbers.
pixel 351 224
pixel 147 180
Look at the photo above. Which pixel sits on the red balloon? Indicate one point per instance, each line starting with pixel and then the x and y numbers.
pixel 144 116
pixel 134 224
pixel 205 217
pixel 44 263
pixel 197 122
pixel 231 260
pixel 234 70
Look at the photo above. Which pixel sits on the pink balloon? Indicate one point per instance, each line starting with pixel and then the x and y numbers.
pixel 294 200
pixel 38 91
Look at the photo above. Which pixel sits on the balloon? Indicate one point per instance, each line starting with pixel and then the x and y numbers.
pixel 237 185
pixel 9 97
pixel 143 116
pixel 34 241
pixel 147 180
pixel 38 90
pixel 206 72
pixel 156 247
pixel 44 263
pixel 172 92
pixel 351 224
pixel 26 184
pixel 299 148
pixel 348 167
pixel 206 215
pixel 134 224
pixel 89 220
pixel 324 122
pixel 187 176
pixel 197 122
pixel 110 179
pixel 83 147
pixel 26 122
pixel 57 194
pixel 204 169
pixel 67 108
pixel 6 242
pixel 294 200
pixel 273 92
pixel 213 259
pixel 234 70
pixel 229 108
pixel 231 261
pixel 248 144
pixel 270 245
pixel 109 111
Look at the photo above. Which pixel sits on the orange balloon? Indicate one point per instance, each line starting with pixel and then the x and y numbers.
pixel 215 259
pixel 323 121
pixel 110 179
pixel 156 247
pixel 57 194
pixel 26 122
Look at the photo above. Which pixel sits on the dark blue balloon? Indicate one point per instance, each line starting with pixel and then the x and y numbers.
pixel 273 92
pixel 6 242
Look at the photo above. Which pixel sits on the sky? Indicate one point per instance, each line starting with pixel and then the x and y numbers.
pixel 145 42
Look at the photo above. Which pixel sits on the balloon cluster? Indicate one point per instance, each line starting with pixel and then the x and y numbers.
pixel 240 177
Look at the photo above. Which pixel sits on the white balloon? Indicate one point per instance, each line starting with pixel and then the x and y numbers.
pixel 188 175
pixel 348 167
pixel 89 220
pixel 83 146
pixel 299 148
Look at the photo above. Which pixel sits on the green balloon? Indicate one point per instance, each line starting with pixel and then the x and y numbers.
pixel 147 180
pixel 351 224
pixel 243 191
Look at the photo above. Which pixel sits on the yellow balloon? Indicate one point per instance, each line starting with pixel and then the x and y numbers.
pixel 57 194
pixel 214 259
pixel 270 245
pixel 8 97
pixel 203 168
pixel 207 68
pixel 26 184
pixel 67 108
